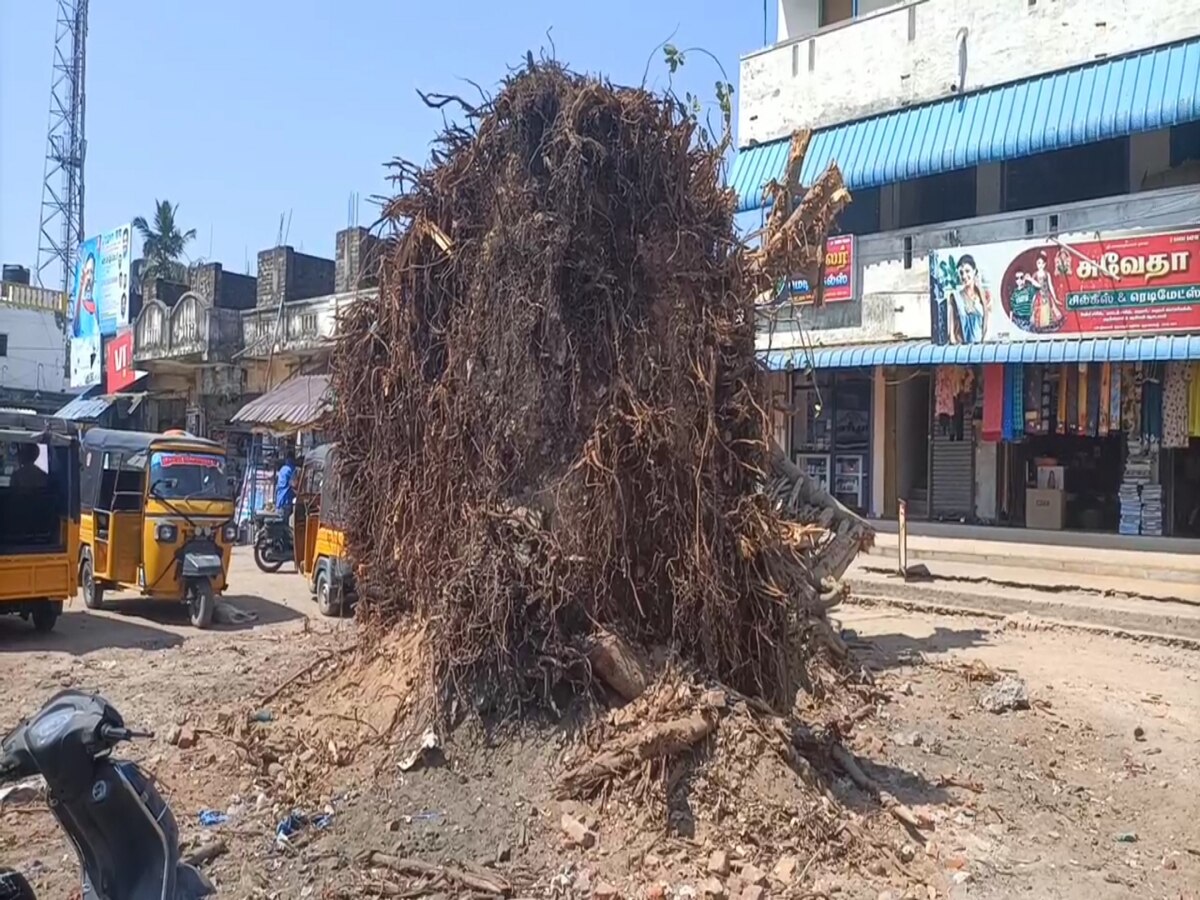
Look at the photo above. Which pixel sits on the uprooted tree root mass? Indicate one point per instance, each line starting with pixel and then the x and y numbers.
pixel 552 419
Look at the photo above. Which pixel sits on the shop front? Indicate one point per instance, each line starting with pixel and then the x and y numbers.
pixel 831 431
pixel 1084 386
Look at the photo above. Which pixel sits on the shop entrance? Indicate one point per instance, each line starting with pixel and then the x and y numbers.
pixel 831 432
pixel 906 453
pixel 1185 493
pixel 1088 470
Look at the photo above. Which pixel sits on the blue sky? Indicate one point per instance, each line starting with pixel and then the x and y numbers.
pixel 243 110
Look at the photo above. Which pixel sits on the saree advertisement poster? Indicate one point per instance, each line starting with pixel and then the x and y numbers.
pixel 1042 289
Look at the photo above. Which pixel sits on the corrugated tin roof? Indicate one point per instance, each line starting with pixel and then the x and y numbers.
pixel 297 403
pixel 1125 95
pixel 1157 348
pixel 87 407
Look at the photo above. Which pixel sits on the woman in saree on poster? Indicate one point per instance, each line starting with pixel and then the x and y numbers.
pixel 1047 311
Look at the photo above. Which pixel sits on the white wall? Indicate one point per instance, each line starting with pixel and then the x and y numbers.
pixel 895 300
pixel 36 354
pixel 872 65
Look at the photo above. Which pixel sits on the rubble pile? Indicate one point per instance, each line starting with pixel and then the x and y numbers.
pixel 552 419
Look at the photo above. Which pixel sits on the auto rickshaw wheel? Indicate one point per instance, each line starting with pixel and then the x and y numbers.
pixel 93 593
pixel 325 600
pixel 201 602
pixel 44 615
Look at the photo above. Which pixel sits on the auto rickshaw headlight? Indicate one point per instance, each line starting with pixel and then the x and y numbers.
pixel 229 532
pixel 166 534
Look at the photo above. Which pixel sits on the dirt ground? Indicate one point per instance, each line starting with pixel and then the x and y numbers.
pixel 1091 793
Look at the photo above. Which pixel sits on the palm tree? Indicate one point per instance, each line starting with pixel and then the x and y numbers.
pixel 163 244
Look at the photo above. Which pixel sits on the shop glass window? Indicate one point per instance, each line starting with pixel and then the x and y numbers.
pixel 1067 176
pixel 944 197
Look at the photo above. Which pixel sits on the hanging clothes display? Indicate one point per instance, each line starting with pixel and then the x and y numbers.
pixel 1013 425
pixel 1194 402
pixel 1092 423
pixel 1103 398
pixel 1131 404
pixel 1114 400
pixel 946 387
pixel 1151 404
pixel 1081 399
pixel 1072 412
pixel 1175 406
pixel 993 401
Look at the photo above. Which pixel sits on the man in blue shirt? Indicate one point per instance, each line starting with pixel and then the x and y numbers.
pixel 285 495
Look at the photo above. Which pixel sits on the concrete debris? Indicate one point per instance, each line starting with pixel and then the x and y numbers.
pixel 712 889
pixel 785 869
pixel 718 863
pixel 186 739
pixel 1007 694
pixel 753 875
pixel 577 833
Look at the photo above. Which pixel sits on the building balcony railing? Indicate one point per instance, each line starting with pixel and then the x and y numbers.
pixel 899 53
pixel 188 332
pixel 303 328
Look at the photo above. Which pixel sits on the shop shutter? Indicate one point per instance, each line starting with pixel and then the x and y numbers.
pixel 952 477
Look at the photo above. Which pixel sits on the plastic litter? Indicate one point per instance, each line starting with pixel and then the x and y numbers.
pixel 210 818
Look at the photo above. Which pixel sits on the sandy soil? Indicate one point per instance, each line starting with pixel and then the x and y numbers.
pixel 1061 800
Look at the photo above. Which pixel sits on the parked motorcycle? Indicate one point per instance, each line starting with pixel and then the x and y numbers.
pixel 122 829
pixel 273 541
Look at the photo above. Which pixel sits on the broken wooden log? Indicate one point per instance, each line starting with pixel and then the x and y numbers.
pixel 619 665
pixel 484 884
pixel 657 740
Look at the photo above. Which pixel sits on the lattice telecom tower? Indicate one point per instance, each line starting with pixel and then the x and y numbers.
pixel 62 186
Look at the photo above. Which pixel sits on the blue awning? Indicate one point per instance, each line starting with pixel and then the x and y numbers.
pixel 1161 348
pixel 1115 97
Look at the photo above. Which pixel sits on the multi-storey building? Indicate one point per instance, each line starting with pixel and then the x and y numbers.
pixel 1011 316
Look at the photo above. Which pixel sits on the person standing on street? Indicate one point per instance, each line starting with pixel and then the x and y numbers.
pixel 285 494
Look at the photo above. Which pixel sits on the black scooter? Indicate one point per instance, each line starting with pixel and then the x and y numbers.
pixel 122 829
pixel 273 541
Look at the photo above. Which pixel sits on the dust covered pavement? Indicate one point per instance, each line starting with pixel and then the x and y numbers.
pixel 1063 799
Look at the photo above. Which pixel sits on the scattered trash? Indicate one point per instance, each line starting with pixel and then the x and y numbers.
pixel 263 716
pixel 1005 695
pixel 211 818
pixel 29 791
pixel 228 614
pixel 432 817
pixel 298 821
pixel 908 739
pixel 1127 837
pixel 425 754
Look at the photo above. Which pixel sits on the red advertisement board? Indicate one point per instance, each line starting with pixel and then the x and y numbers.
pixel 1030 290
pixel 118 362
pixel 839 274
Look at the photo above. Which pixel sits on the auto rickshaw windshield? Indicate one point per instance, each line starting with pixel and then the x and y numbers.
pixel 178 475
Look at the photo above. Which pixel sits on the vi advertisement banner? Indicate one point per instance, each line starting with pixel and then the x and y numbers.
pixel 99 302
pixel 1039 289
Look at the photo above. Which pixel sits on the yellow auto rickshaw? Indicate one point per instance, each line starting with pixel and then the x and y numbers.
pixel 39 516
pixel 319 541
pixel 157 517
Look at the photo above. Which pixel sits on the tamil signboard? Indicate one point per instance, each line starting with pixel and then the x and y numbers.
pixel 99 300
pixel 839 275
pixel 1039 289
